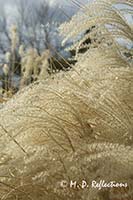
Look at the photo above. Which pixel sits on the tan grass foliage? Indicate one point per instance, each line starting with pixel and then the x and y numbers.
pixel 77 126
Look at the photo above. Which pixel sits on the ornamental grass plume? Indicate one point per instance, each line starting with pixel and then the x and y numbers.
pixel 8 57
pixel 107 19
pixel 34 67
pixel 14 37
pixel 44 65
pixel 6 69
pixel 77 126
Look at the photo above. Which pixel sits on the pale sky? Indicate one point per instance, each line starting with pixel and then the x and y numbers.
pixel 67 5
